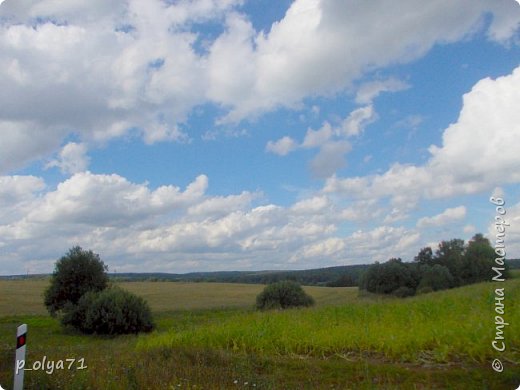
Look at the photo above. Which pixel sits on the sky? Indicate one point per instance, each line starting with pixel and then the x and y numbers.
pixel 208 135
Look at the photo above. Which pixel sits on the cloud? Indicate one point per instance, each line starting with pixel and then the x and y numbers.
pixel 313 205
pixel 142 64
pixel 212 135
pixel 447 216
pixel 166 228
pixel 135 227
pixel 282 147
pixel 378 244
pixel 357 120
pixel 469 229
pixel 107 213
pixel 134 67
pixel 332 47
pixel 17 196
pixel 222 205
pixel 328 247
pixel 361 211
pixel 140 68
pixel 163 132
pixel 511 235
pixel 21 143
pixel 479 149
pixel 72 159
pixel 231 81
pixel 331 142
pixel 505 22
pixel 487 127
pixel 403 184
pixel 317 138
pixel 411 122
pixel 330 158
pixel 476 156
pixel 110 200
pixel 368 91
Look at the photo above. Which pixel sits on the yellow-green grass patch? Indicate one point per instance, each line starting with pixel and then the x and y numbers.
pixel 448 326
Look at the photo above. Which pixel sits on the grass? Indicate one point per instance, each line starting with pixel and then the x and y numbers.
pixel 447 326
pixel 209 336
pixel 23 297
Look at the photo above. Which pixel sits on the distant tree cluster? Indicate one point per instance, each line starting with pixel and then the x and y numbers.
pixel 453 264
pixel 79 292
pixel 344 280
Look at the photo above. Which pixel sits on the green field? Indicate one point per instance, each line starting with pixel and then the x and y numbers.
pixel 209 336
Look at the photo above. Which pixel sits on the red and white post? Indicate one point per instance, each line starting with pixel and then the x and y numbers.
pixel 19 364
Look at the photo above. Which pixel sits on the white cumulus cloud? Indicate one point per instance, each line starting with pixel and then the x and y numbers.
pixel 140 64
pixel 72 159
pixel 282 147
pixel 478 152
pixel 447 216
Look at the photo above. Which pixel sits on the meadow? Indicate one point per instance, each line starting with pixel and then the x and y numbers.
pixel 209 336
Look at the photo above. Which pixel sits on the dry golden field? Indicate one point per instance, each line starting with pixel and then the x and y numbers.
pixel 25 297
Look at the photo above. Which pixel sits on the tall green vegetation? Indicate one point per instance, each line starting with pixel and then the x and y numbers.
pixel 433 328
pixel 454 263
pixel 75 274
pixel 434 277
pixel 394 276
pixel 79 293
pixel 478 260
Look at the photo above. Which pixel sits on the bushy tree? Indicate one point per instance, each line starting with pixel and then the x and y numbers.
pixel 78 290
pixel 111 311
pixel 388 277
pixel 425 256
pixel 478 260
pixel 433 278
pixel 75 274
pixel 450 254
pixel 283 295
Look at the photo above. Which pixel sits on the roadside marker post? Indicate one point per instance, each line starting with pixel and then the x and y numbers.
pixel 19 364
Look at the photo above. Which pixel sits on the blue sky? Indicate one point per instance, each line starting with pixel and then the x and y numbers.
pixel 179 136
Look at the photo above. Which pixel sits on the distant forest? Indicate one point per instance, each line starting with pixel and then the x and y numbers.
pixel 347 276
pixel 340 276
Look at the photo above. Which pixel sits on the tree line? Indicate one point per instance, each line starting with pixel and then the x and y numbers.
pixel 338 276
pixel 454 263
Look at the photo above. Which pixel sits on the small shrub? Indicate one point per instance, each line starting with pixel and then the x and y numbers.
pixel 74 315
pixel 424 290
pixel 283 295
pixel 111 311
pixel 403 292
